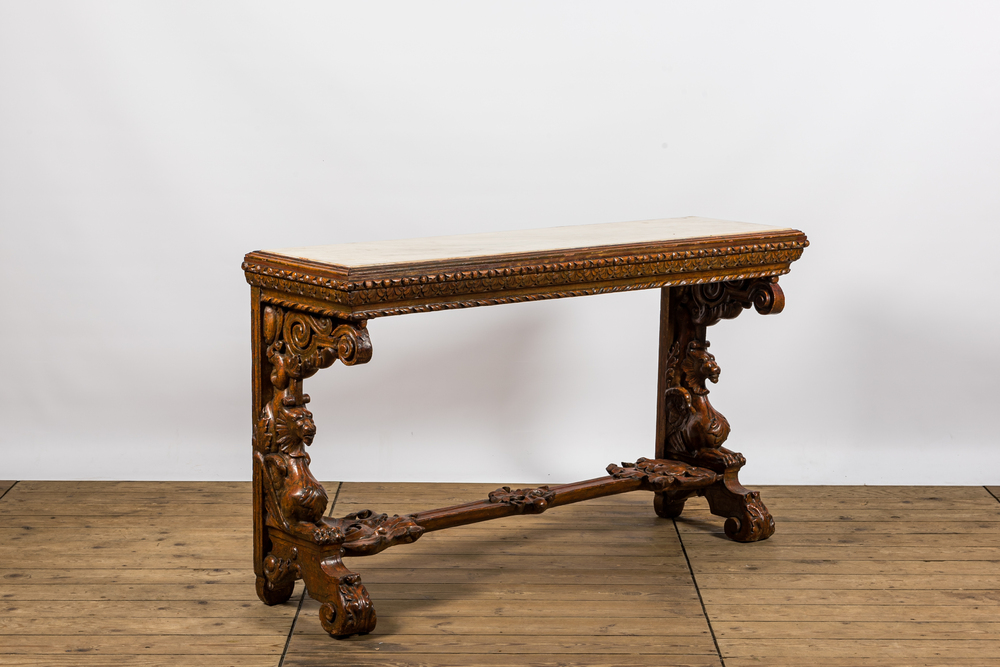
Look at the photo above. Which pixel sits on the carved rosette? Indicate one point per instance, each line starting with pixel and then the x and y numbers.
pixel 350 612
pixel 663 475
pixel 527 501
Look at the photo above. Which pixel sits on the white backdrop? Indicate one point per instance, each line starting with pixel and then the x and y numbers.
pixel 145 147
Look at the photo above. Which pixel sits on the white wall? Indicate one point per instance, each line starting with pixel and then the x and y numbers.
pixel 144 147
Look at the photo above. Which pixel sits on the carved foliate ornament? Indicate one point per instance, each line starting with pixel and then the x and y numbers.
pixel 663 475
pixel 527 501
pixel 350 611
pixel 367 533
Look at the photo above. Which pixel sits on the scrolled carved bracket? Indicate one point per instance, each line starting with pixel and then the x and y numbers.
pixel 528 501
pixel 710 302
pixel 663 475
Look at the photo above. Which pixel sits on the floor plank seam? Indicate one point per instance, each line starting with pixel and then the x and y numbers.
pixel 291 629
pixel 302 598
pixel 694 580
pixel 336 495
pixel 985 487
pixel 15 484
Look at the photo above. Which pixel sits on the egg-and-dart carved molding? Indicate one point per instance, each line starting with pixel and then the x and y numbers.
pixel 354 296
pixel 306 290
pixel 615 267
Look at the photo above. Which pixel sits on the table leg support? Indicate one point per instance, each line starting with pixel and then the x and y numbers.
pixel 289 502
pixel 688 427
pixel 294 540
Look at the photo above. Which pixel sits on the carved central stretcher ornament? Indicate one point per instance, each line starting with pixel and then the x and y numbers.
pixel 295 335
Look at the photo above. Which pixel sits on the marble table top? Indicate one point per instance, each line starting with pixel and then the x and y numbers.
pixel 361 280
pixel 521 242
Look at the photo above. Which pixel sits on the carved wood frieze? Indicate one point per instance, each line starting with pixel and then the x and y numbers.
pixel 409 293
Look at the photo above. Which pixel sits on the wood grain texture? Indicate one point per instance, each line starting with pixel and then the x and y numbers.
pixel 135 592
pixel 828 594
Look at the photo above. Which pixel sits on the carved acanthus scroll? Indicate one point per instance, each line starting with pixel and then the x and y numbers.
pixel 350 611
pixel 663 475
pixel 710 302
pixel 367 533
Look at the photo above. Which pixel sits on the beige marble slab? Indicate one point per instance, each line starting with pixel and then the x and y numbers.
pixel 465 246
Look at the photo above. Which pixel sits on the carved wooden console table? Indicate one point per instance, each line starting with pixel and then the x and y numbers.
pixel 310 307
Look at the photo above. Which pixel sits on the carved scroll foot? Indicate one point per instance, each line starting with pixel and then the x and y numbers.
pixel 347 610
pixel 747 519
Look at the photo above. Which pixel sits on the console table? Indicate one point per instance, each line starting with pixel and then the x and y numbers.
pixel 310 307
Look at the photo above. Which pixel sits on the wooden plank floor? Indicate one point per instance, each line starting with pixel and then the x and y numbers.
pixel 139 573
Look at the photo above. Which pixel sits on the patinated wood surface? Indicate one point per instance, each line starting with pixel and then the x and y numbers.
pixel 310 308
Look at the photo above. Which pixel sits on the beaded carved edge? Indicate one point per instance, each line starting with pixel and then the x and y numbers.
pixel 439 291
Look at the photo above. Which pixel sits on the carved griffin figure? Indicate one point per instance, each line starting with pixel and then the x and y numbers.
pixel 695 429
pixel 300 496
